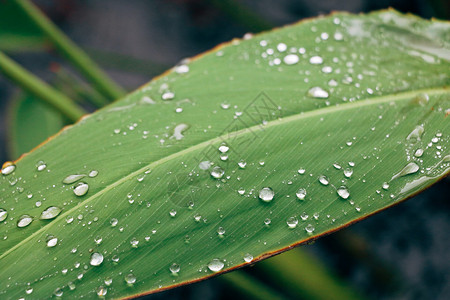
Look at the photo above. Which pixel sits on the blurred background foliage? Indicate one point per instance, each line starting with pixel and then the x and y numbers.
pixel 401 253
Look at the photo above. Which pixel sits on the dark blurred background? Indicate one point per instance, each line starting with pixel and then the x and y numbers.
pixel 401 253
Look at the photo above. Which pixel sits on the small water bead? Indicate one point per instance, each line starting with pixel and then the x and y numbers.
pixel 168 96
pixel 130 279
pixel 216 265
pixel 58 292
pixel 96 259
pixel 108 281
pixel 102 291
pixel 248 257
pixel 29 290
pixel 178 131
pixel 261 163
pixel 309 229
pixel 223 157
pixel 224 148
pixel 73 178
pixel 115 258
pixel 52 241
pixel 8 168
pixel 173 213
pixel 343 192
pixel 318 92
pixel 301 171
pixel 241 191
pixel 98 240
pixel 71 286
pixel 134 243
pixel 114 222
pixel 337 166
pixel 348 172
pixel 338 36
pixel 292 222
pixel 385 186
pixel 69 219
pixel 266 194
pixel 267 221
pixel 410 168
pixel 3 214
pixel 242 164
pixel 81 189
pixel 301 194
pixel 24 221
pixel 217 172
pixel 182 69
pixel 304 216
pixel 50 213
pixel 221 231
pixel 281 47
pixel 41 166
pixel 316 60
pixel 324 180
pixel 418 153
pixel 93 173
pixel 291 59
pixel 174 268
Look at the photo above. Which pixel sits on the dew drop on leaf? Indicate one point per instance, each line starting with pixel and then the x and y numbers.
pixel 102 291
pixel 318 92
pixel 81 189
pixel 96 259
pixel 216 265
pixel 174 268
pixel 8 168
pixel 41 166
pixel 309 228
pixel 24 221
pixel 291 59
pixel 3 214
pixel 266 194
pixel 50 213
pixel 316 60
pixel 73 178
pixel 301 194
pixel 248 257
pixel 343 192
pixel 52 241
pixel 324 180
pixel 130 278
pixel 410 168
pixel 217 172
pixel 292 222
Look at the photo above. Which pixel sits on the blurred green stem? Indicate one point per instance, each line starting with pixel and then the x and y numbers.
pixel 250 287
pixel 40 89
pixel 303 276
pixel 72 52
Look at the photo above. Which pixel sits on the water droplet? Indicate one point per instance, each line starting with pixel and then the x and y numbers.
pixel 58 292
pixel 102 291
pixel 29 290
pixel 316 60
pixel 318 92
pixel 204 165
pixel 348 172
pixel 108 281
pixel 182 69
pixel 301 171
pixel 416 134
pixel 266 194
pixel 134 242
pixel 3 214
pixel 324 180
pixel 292 222
pixel 114 222
pixel 168 96
pixel 221 231
pixel 385 186
pixel 52 241
pixel 224 148
pixel 242 164
pixel 50 213
pixel 81 189
pixel 73 178
pixel 98 240
pixel 301 194
pixel 115 258
pixel 216 265
pixel 410 168
pixel 248 257
pixel 343 192
pixel 225 105
pixel 41 166
pixel 309 228
pixel 8 168
pixel 178 131
pixel 281 47
pixel 173 213
pixel 217 172
pixel 241 191
pixel 418 153
pixel 24 221
pixel 291 59
pixel 267 221
pixel 96 259
pixel 93 173
pixel 174 268
pixel 130 279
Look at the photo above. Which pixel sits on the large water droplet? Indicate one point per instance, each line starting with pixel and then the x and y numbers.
pixel 324 180
pixel 50 213
pixel 96 259
pixel 52 241
pixel 130 278
pixel 292 222
pixel 73 178
pixel 81 189
pixel 3 214
pixel 416 134
pixel 24 221
pixel 343 192
pixel 248 257
pixel 318 92
pixel 266 194
pixel 291 59
pixel 217 172
pixel 301 194
pixel 216 265
pixel 8 168
pixel 410 168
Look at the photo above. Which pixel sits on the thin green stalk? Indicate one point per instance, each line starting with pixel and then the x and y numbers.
pixel 250 287
pixel 71 51
pixel 39 88
pixel 304 276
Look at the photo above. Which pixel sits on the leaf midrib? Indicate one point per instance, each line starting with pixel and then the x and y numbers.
pixel 292 118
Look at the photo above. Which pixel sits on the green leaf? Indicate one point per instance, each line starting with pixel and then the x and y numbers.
pixel 368 93
pixel 15 35
pixel 30 122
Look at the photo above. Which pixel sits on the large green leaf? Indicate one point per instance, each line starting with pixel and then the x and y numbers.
pixel 347 122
